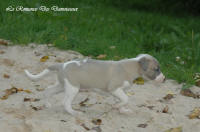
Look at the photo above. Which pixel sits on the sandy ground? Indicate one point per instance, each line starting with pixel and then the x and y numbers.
pixel 146 101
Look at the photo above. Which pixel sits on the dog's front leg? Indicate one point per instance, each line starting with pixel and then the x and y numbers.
pixel 119 93
pixel 70 93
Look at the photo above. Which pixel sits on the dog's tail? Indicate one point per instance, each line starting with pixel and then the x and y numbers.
pixel 38 76
pixel 55 67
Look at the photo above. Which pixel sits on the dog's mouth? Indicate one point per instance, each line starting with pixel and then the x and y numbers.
pixel 160 78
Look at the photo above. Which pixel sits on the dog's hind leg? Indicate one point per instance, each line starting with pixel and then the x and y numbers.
pixel 70 93
pixel 58 87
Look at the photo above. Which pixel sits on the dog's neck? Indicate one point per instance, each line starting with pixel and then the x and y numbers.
pixel 132 67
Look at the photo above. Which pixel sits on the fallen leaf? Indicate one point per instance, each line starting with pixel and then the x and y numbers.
pixel 31 99
pixel 36 108
pixel 102 56
pixel 13 90
pixel 6 76
pixel 20 89
pixel 142 125
pixel 8 92
pixel 139 81
pixel 97 129
pixel 44 58
pixel 84 126
pixel 178 129
pixel 168 97
pixel 194 114
pixel 3 42
pixel 4 97
pixel 40 89
pixel 189 93
pixel 82 103
pixel 97 121
pixel 27 91
pixel 166 109
pixel 63 120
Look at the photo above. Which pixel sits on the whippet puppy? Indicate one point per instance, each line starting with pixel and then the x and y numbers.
pixel 109 76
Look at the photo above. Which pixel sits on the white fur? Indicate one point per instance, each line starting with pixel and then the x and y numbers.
pixel 38 76
pixel 65 64
pixel 140 56
pixel 70 93
pixel 160 78
pixel 85 60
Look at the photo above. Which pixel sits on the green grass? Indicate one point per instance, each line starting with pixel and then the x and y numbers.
pixel 99 24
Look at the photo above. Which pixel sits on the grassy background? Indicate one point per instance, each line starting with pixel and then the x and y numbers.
pixel 132 26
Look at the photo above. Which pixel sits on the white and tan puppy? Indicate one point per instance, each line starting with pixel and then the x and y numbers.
pixel 109 76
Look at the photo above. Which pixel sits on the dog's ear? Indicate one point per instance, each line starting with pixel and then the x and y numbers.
pixel 144 62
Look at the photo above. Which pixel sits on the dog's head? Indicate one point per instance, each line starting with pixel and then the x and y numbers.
pixel 150 68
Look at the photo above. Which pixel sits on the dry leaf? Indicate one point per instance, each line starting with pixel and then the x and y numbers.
pixel 189 93
pixel 13 90
pixel 178 129
pixel 44 58
pixel 84 126
pixel 9 92
pixel 102 56
pixel 63 120
pixel 82 103
pixel 27 91
pixel 31 99
pixel 3 42
pixel 139 81
pixel 194 114
pixel 36 108
pixel 97 121
pixel 168 97
pixel 4 97
pixel 6 76
pixel 142 125
pixel 40 89
pixel 165 110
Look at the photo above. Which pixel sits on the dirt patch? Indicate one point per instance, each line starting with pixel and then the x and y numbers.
pixel 153 108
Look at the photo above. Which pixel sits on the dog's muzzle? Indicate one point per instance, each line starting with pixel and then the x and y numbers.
pixel 160 78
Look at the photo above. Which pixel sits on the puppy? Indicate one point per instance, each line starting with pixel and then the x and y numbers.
pixel 109 76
